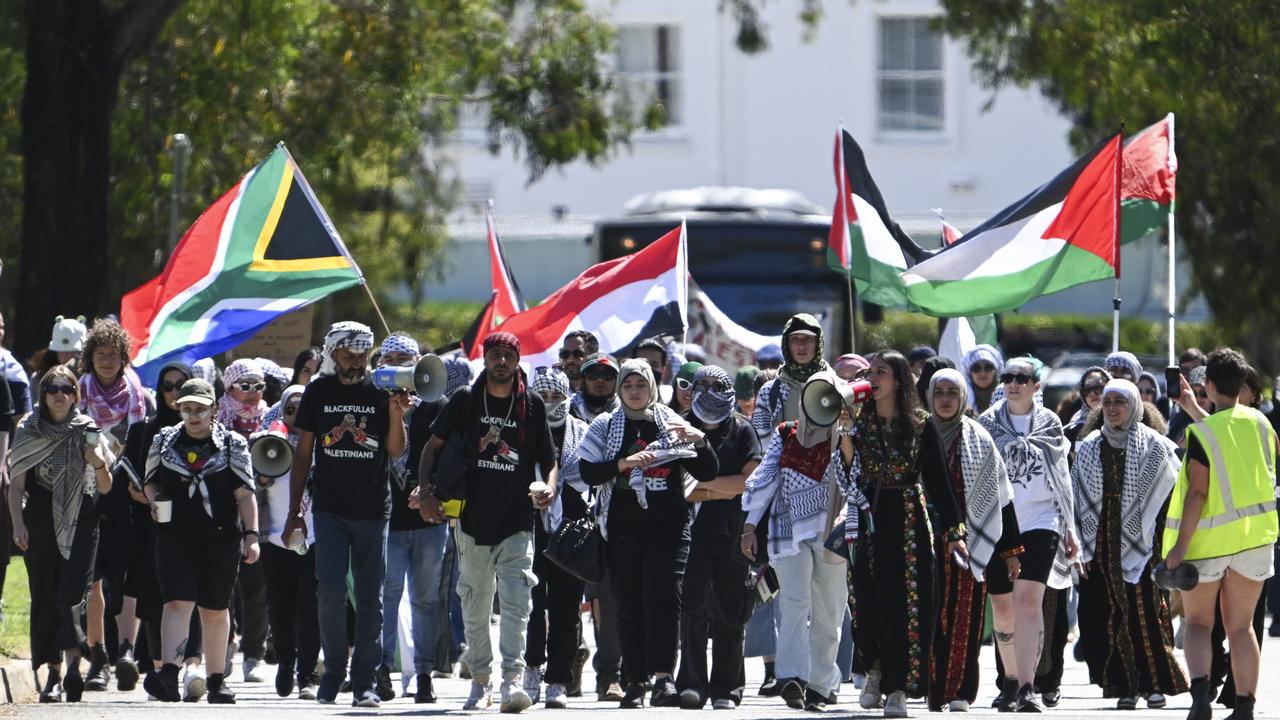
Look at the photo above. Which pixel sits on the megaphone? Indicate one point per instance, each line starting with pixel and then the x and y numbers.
pixel 1184 577
pixel 271 452
pixel 825 394
pixel 428 378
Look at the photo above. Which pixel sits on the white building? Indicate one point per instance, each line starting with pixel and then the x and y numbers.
pixel 934 137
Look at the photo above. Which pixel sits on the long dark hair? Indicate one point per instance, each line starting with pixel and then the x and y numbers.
pixel 908 402
pixel 304 357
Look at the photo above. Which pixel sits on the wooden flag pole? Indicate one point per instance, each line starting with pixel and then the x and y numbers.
pixel 376 309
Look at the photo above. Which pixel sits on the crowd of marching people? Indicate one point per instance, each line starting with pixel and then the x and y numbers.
pixel 873 520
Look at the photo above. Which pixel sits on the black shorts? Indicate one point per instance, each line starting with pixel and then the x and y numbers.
pixel 1039 548
pixel 202 573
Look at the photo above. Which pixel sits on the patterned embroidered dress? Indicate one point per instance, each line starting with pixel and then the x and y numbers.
pixel 962 606
pixel 894 596
pixel 1125 629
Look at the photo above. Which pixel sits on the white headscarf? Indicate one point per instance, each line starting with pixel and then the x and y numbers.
pixel 1118 437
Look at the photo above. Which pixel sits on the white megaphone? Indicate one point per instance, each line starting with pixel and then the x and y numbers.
pixel 825 394
pixel 428 378
pixel 271 452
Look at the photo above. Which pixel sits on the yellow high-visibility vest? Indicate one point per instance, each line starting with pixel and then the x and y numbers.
pixel 1240 510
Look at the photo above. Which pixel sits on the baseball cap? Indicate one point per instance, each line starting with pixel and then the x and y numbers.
pixel 196 390
pixel 601 359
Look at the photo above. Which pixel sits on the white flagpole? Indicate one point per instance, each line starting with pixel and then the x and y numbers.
pixel 1173 298
pixel 1115 318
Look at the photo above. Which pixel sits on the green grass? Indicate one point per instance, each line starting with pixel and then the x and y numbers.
pixel 15 629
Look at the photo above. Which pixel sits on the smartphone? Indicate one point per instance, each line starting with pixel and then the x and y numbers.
pixel 1173 382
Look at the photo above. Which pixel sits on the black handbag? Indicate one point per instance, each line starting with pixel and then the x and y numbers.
pixel 577 547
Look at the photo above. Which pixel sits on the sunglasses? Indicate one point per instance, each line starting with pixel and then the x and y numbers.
pixel 984 367
pixel 1093 389
pixel 291 410
pixel 566 354
pixel 251 387
pixel 59 389
pixel 170 387
pixel 682 384
pixel 1202 394
pixel 594 374
pixel 1148 391
pixel 1010 378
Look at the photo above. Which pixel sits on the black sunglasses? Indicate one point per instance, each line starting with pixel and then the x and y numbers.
pixel 565 354
pixel 600 374
pixel 1019 378
pixel 1094 388
pixel 59 389
pixel 983 367
pixel 170 387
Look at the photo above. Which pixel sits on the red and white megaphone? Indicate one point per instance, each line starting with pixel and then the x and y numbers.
pixel 825 394
pixel 271 451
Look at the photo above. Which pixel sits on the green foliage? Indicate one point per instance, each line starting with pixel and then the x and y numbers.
pixel 365 94
pixel 15 628
pixel 433 323
pixel 1108 63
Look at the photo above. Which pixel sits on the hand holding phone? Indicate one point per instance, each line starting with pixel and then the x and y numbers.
pixel 1173 382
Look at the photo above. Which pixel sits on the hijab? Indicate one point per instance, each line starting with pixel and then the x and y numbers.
pixel 713 395
pixel 164 416
pixel 1126 360
pixel 948 430
pixel 1118 437
pixel 980 399
pixel 638 367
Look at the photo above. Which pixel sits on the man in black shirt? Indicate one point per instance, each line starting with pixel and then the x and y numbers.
pixel 599 390
pixel 352 430
pixel 504 426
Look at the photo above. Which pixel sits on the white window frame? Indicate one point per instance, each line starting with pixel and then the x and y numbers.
pixel 673 129
pixel 943 74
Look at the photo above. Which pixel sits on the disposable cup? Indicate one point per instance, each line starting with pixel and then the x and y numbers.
pixel 164 510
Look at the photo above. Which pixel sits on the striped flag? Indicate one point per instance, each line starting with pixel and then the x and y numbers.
pixel 1062 234
pixel 864 241
pixel 263 249
pixel 1148 177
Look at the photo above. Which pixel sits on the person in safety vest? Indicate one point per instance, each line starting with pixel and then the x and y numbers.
pixel 1222 520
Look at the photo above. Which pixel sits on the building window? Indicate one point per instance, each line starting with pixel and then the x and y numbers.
pixel 648 70
pixel 911 89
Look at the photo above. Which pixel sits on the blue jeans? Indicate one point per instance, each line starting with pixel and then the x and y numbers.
pixel 361 546
pixel 419 554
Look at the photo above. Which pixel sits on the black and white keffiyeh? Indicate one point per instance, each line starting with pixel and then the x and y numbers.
pixel 1043 449
pixel 570 473
pixel 230 451
pixel 771 406
pixel 1150 471
pixel 354 336
pixel 583 409
pixel 54 455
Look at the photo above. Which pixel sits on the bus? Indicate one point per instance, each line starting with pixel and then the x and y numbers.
pixel 760 255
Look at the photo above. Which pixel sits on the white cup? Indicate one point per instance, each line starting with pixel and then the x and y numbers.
pixel 164 510
pixel 91 436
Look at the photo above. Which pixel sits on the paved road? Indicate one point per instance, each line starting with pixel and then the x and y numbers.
pixel 259 701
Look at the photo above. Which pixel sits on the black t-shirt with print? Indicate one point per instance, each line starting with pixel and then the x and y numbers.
pixel 498 504
pixel 350 424
pixel 735 444
pixel 404 517
pixel 190 521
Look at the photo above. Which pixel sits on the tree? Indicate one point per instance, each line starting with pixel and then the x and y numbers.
pixel 364 92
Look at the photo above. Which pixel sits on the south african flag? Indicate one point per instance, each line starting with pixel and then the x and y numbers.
pixel 265 248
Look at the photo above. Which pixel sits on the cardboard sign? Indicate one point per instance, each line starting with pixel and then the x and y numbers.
pixel 281 340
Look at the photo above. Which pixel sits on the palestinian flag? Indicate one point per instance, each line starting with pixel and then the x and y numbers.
pixel 864 241
pixel 509 300
pixel 1148 174
pixel 263 249
pixel 1062 234
pixel 622 301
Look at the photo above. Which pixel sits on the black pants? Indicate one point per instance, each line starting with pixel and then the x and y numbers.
pixel 714 593
pixel 608 658
pixel 59 586
pixel 251 594
pixel 291 605
pixel 555 625
pixel 646 571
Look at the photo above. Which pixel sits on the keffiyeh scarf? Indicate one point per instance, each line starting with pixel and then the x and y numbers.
pixel 237 415
pixel 1044 445
pixel 354 336
pixel 987 490
pixel 603 442
pixel 1150 471
pixel 570 472
pixel 584 409
pixel 124 401
pixel 60 447
pixel 230 451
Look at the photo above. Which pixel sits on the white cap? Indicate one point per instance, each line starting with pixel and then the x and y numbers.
pixel 68 334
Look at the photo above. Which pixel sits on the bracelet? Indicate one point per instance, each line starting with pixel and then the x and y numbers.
pixel 99 467
pixel 956 534
pixel 247 533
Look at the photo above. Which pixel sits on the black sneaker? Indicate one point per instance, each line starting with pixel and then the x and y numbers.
pixel 126 669
pixel 1027 701
pixel 633 699
pixel 386 692
pixel 52 692
pixel 814 701
pixel 425 693
pixel 162 684
pixel 284 680
pixel 1051 698
pixel 1201 700
pixel 1008 700
pixel 691 699
pixel 770 686
pixel 793 693
pixel 664 693
pixel 306 686
pixel 327 693
pixel 574 686
pixel 345 687
pixel 1243 709
pixel 219 693
pixel 99 675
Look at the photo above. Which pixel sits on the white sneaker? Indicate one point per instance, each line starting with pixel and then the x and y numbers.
pixel 251 674
pixel 481 696
pixel 557 696
pixel 533 683
pixel 723 704
pixel 871 697
pixel 896 706
pixel 959 706
pixel 367 699
pixel 193 684
pixel 514 698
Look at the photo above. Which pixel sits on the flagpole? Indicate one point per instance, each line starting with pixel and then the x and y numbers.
pixel 376 309
pixel 1115 312
pixel 1115 319
pixel 1172 258
pixel 853 317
